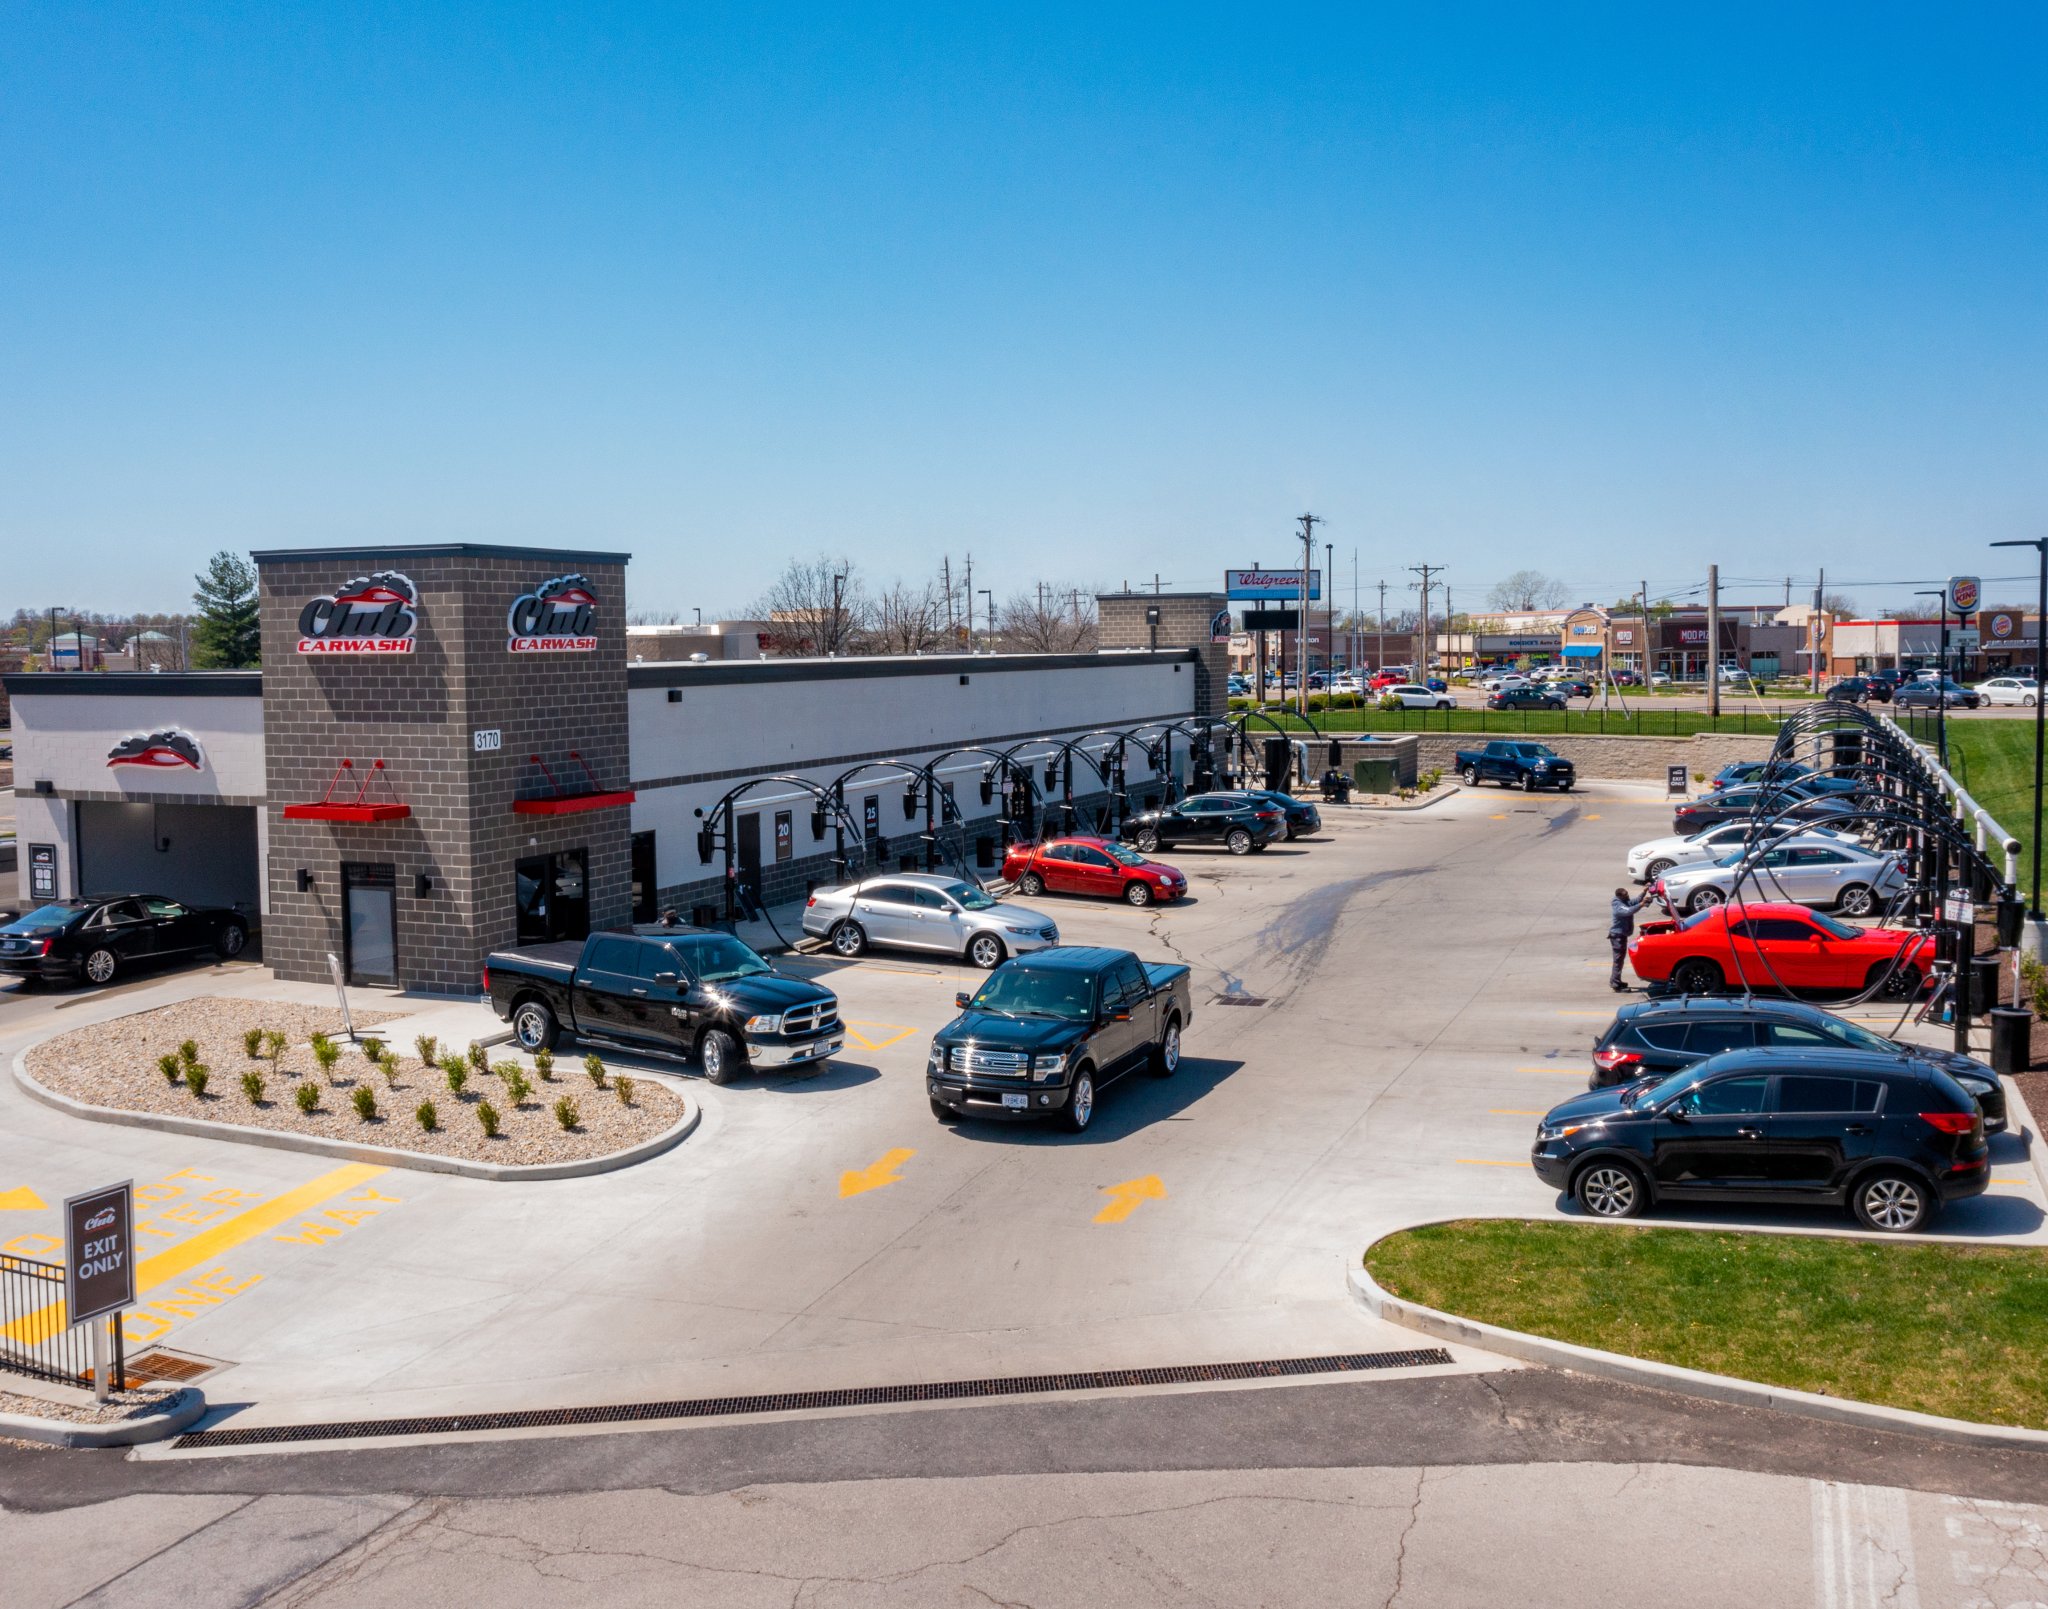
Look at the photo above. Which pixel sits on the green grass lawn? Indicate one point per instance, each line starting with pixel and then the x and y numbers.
pixel 1534 723
pixel 1953 1330
pixel 1994 760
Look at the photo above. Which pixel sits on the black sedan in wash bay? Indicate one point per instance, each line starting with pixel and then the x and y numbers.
pixel 99 938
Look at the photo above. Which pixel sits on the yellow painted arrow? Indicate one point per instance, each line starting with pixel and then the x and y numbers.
pixel 875 1174
pixel 1125 1198
pixel 20 1200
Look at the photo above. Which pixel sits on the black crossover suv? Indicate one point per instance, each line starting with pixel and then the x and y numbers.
pixel 1237 821
pixel 1890 1139
pixel 1650 1038
pixel 99 938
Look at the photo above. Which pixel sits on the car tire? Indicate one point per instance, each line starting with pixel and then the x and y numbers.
pixel 100 967
pixel 1031 885
pixel 1704 899
pixel 1892 1201
pixel 1238 841
pixel 718 1053
pixel 1903 984
pixel 1856 900
pixel 848 939
pixel 1138 894
pixel 1528 782
pixel 1470 776
pixel 1166 1054
pixel 2027 702
pixel 231 941
pixel 1610 1190
pixel 1079 1111
pixel 1697 976
pixel 943 1112
pixel 985 950
pixel 534 1026
pixel 1656 869
pixel 1147 841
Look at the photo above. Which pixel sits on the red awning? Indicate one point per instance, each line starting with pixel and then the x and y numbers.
pixel 561 801
pixel 358 810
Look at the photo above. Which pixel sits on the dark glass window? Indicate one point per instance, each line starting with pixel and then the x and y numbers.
pixel 1805 1092
pixel 1711 1038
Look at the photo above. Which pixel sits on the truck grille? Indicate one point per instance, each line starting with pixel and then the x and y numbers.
pixel 810 1019
pixel 1001 1063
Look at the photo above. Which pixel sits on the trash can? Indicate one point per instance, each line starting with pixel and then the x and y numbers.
pixel 1336 787
pixel 2012 1032
pixel 1373 776
pixel 1984 971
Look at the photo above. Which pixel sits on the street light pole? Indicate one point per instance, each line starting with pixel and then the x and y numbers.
pixel 2040 546
pixel 838 589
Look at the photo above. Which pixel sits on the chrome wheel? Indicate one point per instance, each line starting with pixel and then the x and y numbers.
pixel 232 938
pixel 1081 1104
pixel 1470 776
pixel 1656 869
pixel 1138 893
pixel 1857 901
pixel 1892 1203
pixel 719 1056
pixel 1148 842
pixel 533 1026
pixel 848 939
pixel 1031 884
pixel 1608 1191
pixel 101 966
pixel 1239 842
pixel 1705 899
pixel 985 950
pixel 1166 1059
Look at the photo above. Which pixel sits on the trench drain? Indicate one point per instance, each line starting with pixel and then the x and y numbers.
pixel 799 1401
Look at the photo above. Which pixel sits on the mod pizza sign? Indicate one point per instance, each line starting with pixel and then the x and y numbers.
pixel 371 614
pixel 552 618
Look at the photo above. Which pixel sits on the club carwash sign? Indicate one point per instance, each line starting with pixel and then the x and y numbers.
pixel 1964 594
pixel 553 618
pixel 372 614
pixel 99 1244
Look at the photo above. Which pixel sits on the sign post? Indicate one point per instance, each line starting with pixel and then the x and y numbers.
pixel 1674 779
pixel 99 1265
pixel 341 994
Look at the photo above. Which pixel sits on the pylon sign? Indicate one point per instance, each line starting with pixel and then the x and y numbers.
pixel 1964 593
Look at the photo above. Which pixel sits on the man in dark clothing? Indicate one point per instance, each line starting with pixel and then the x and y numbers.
pixel 1621 922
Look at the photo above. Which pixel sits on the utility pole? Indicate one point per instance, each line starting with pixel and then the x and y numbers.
pixel 1309 522
pixel 1379 654
pixel 1646 636
pixel 1329 611
pixel 1352 662
pixel 1420 669
pixel 991 612
pixel 1714 641
pixel 967 585
pixel 1813 631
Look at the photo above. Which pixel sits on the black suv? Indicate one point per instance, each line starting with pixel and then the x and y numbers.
pixel 1299 817
pixel 1237 821
pixel 1524 698
pixel 1890 1139
pixel 1650 1038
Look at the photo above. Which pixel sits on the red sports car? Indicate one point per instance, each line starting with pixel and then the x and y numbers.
pixel 1779 947
pixel 1096 866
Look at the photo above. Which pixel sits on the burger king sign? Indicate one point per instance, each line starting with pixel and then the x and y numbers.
pixel 1964 594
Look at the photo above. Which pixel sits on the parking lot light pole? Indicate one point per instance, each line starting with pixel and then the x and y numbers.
pixel 1941 680
pixel 2040 546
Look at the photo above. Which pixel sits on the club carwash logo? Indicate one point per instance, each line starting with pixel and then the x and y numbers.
pixel 159 751
pixel 554 618
pixel 372 614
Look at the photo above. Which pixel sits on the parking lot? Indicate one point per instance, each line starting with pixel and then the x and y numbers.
pixel 1381 1015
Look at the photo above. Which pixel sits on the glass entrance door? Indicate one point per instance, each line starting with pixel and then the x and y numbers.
pixel 369 900
pixel 552 893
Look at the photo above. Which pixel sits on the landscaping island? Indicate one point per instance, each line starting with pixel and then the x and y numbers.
pixel 1939 1329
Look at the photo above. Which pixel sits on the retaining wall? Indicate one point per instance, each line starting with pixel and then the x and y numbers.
pixel 1615 758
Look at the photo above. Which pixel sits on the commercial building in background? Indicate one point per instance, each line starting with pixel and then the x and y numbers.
pixel 448 751
pixel 716 639
pixel 1995 642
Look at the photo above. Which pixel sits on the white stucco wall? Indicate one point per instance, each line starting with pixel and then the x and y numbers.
pixel 64 738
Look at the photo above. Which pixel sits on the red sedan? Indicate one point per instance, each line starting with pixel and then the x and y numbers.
pixel 1779 947
pixel 1096 866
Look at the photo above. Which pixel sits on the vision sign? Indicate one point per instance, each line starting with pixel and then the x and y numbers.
pixel 372 614
pixel 553 618
pixel 99 1248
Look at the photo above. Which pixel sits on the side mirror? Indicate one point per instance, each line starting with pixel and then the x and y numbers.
pixel 1676 1112
pixel 960 1000
pixel 1119 1016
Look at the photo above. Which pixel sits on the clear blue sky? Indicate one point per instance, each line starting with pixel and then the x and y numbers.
pixel 1093 291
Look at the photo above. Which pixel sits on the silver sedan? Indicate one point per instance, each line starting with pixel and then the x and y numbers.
pixel 923 911
pixel 1806 871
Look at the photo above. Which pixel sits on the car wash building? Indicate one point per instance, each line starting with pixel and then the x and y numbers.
pixel 447 751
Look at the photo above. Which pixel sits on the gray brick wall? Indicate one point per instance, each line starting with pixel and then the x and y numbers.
pixel 1183 623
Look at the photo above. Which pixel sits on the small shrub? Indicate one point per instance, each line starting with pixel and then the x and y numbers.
pixel 252 1043
pixel 504 1069
pixel 479 1058
pixel 517 1085
pixel 429 1119
pixel 387 1064
pixel 1390 703
pixel 429 1049
pixel 2034 979
pixel 196 1076
pixel 188 1052
pixel 252 1086
pixel 566 1113
pixel 624 1085
pixel 169 1065
pixel 487 1114
pixel 544 1064
pixel 275 1045
pixel 593 1064
pixel 372 1048
pixel 308 1098
pixel 326 1052
pixel 458 1075
pixel 365 1102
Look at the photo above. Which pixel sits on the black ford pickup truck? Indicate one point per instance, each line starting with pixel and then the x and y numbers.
pixel 1046 1031
pixel 676 991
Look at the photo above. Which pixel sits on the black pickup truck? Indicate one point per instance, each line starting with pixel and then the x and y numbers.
pixel 674 991
pixel 1046 1031
pixel 1516 765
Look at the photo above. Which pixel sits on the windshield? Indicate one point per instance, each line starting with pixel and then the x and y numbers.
pixel 1859 1038
pixel 1670 1084
pixel 49 918
pixel 1125 857
pixel 719 959
pixel 1015 991
pixel 969 897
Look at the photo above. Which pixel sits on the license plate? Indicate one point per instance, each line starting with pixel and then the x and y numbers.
pixel 1016 1103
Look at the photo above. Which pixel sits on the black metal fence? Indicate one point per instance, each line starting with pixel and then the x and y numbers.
pixel 1641 721
pixel 35 1338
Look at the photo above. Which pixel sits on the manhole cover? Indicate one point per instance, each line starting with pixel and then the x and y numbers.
pixel 1236 1000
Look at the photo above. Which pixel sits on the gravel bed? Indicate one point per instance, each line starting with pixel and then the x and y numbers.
pixel 118 1406
pixel 115 1064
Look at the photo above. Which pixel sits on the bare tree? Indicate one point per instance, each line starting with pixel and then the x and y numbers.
pixel 1527 589
pixel 1839 605
pixel 1049 620
pixel 816 606
pixel 906 619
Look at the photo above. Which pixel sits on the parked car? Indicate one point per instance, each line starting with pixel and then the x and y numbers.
pixel 1851 690
pixel 1654 1038
pixel 668 991
pixel 1045 1033
pixel 1524 698
pixel 1097 866
pixel 1494 680
pixel 1417 697
pixel 1651 860
pixel 1937 694
pixel 1527 766
pixel 1739 772
pixel 1571 687
pixel 1891 1141
pixel 96 940
pixel 1779 802
pixel 1298 817
pixel 1436 684
pixel 1779 948
pixel 2022 690
pixel 1841 876
pixel 1883 683
pixel 1626 678
pixel 1234 820
pixel 925 911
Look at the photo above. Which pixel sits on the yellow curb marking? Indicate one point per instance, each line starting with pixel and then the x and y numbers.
pixel 898 1034
pixel 22 1199
pixel 875 1175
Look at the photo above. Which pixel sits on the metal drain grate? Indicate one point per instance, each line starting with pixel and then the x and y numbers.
pixel 795 1401
pixel 1237 1000
pixel 170 1366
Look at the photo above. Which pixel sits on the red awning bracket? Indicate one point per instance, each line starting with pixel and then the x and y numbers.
pixel 360 810
pixel 561 801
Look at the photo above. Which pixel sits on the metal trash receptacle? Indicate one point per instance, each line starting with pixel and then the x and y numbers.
pixel 1984 970
pixel 1373 776
pixel 2012 1032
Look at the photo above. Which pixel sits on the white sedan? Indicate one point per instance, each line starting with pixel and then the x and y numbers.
pixel 1415 697
pixel 1806 871
pixel 2010 690
pixel 1649 861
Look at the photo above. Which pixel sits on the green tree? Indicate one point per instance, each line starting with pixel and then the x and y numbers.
pixel 226 634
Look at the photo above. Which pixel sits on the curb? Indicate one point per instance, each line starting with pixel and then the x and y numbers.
pixel 2029 1128
pixel 381 1155
pixel 180 1413
pixel 1670 1377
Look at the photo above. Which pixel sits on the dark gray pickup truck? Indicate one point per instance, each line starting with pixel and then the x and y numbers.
pixel 675 991
pixel 1045 1031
